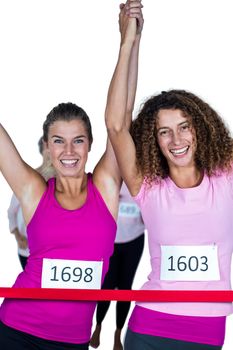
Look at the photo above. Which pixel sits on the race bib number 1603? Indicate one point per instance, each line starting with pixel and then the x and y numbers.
pixel 189 263
pixel 73 274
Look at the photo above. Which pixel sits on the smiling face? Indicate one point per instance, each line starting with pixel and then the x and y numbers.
pixel 68 147
pixel 176 138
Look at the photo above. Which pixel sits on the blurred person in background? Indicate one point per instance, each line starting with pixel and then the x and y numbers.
pixel 15 216
pixel 123 264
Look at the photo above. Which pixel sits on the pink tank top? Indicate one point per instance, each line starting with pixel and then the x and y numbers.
pixel 86 234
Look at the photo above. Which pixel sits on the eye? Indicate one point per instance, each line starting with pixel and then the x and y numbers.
pixel 163 133
pixel 78 141
pixel 185 127
pixel 57 141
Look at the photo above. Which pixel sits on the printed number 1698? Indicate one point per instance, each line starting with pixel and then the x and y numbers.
pixel 68 274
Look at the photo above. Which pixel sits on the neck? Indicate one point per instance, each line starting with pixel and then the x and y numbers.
pixel 186 177
pixel 71 185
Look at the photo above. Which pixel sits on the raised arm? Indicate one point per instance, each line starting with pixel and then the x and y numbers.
pixel 133 64
pixel 27 185
pixel 122 92
pixel 107 176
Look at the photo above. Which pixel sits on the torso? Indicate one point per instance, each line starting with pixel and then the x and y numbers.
pixel 194 217
pixel 82 235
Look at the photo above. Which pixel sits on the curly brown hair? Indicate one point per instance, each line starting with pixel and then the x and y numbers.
pixel 214 150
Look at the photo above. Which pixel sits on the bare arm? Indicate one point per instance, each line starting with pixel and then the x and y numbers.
pixel 121 97
pixel 133 64
pixel 21 240
pixel 27 185
pixel 107 175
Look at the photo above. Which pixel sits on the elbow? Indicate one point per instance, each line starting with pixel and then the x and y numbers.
pixel 113 128
pixel 113 125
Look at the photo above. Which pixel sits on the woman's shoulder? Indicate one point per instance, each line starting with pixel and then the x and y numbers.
pixel 223 173
pixel 223 177
pixel 148 187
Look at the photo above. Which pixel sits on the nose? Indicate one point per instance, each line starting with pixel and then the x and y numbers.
pixel 176 138
pixel 69 148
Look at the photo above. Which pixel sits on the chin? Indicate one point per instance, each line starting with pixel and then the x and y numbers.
pixel 181 162
pixel 68 173
pixel 184 164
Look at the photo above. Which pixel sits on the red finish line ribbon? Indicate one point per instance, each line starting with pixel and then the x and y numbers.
pixel 122 295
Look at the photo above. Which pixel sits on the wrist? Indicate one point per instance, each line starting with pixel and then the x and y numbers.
pixel 138 37
pixel 126 45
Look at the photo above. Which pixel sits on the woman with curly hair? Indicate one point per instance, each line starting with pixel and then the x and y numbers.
pixel 177 163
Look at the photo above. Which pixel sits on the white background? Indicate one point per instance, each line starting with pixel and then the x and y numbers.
pixel 65 50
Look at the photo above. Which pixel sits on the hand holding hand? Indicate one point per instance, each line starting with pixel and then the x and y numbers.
pixel 130 20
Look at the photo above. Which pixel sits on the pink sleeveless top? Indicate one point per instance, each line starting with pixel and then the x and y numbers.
pixel 84 234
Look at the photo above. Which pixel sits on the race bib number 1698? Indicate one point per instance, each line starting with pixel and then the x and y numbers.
pixel 73 274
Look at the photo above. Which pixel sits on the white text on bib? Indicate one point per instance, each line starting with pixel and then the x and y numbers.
pixel 130 210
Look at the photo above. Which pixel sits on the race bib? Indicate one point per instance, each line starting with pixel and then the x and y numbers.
pixel 189 263
pixel 72 274
pixel 130 210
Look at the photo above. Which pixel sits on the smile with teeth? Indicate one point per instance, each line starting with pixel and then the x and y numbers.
pixel 180 151
pixel 69 162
